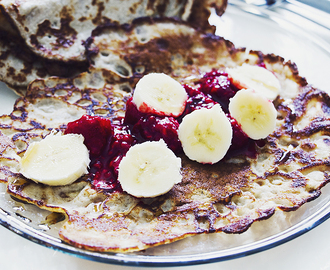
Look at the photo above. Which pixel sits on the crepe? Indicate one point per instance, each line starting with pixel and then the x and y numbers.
pixel 290 168
pixel 31 47
pixel 19 66
pixel 58 30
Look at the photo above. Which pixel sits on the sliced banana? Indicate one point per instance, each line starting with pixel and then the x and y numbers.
pixel 206 134
pixel 149 169
pixel 158 93
pixel 57 160
pixel 255 113
pixel 258 78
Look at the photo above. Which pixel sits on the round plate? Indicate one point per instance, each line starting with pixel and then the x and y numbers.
pixel 279 30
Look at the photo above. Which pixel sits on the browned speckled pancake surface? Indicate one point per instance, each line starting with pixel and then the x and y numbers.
pixel 19 66
pixel 58 29
pixel 226 197
pixel 44 38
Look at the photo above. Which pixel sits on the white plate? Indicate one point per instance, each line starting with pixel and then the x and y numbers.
pixel 274 30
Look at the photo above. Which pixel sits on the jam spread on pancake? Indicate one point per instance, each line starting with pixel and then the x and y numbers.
pixel 154 128
pixel 108 141
pixel 196 100
pixel 218 86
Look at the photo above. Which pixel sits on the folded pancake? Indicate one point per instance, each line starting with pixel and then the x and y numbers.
pixel 58 29
pixel 157 46
pixel 53 49
pixel 229 196
pixel 19 66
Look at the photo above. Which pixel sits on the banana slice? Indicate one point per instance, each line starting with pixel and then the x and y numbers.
pixel 57 160
pixel 258 78
pixel 159 94
pixel 255 113
pixel 206 134
pixel 149 169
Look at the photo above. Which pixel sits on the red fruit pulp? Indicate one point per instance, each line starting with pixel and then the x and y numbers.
pixel 97 132
pixel 241 144
pixel 218 86
pixel 154 128
pixel 196 100
pixel 109 141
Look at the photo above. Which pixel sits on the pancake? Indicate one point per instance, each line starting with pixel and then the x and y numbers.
pixel 19 66
pixel 28 52
pixel 157 46
pixel 58 30
pixel 174 48
pixel 289 170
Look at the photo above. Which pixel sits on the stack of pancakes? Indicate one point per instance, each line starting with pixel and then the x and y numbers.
pixel 108 46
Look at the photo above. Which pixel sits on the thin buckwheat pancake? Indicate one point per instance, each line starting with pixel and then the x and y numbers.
pixel 19 66
pixel 39 39
pixel 289 170
pixel 174 48
pixel 58 29
pixel 17 71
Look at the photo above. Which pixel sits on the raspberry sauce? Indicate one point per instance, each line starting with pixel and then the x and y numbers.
pixel 107 144
pixel 153 128
pixel 109 141
pixel 218 86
